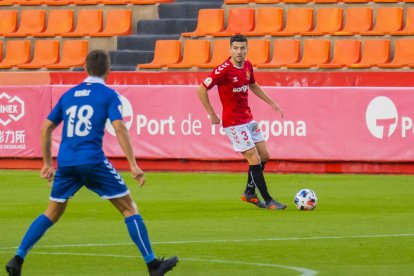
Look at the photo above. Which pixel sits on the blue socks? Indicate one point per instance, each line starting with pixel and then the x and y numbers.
pixel 138 232
pixel 36 230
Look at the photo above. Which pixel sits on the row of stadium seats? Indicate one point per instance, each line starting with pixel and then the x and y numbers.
pixel 79 2
pixel 299 21
pixel 61 23
pixel 46 54
pixel 230 2
pixel 287 53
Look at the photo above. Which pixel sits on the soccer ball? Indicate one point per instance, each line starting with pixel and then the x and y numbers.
pixel 306 199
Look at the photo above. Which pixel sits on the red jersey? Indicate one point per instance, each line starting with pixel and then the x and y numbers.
pixel 233 86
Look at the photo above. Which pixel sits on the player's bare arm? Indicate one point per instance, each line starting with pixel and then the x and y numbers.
pixel 259 92
pixel 124 140
pixel 203 96
pixel 47 171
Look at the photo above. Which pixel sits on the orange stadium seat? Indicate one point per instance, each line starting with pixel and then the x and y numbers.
pixel 315 52
pixel 6 3
pixel 409 24
pixel 376 51
pixel 29 2
pixel 357 20
pixel 268 20
pixel 115 2
pixel 386 1
pixel 209 21
pixel 325 1
pixel 45 52
pixel 166 52
pixel 17 52
pixel 258 51
pixel 240 20
pixel 73 54
pixel 229 2
pixel 266 1
pixel 387 20
pixel 89 22
pixel 31 21
pixel 8 22
pixel 149 2
pixel 345 52
pixel 58 2
pixel 1 50
pixel 296 1
pixel 403 54
pixel 195 52
pixel 85 2
pixel 221 51
pixel 118 22
pixel 356 1
pixel 298 20
pixel 328 20
pixel 58 23
pixel 285 51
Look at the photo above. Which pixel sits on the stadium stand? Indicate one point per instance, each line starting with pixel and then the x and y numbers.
pixel 166 52
pixel 345 52
pixel 286 51
pixel 357 20
pixel 73 54
pixel 195 52
pixel 8 22
pixel 89 22
pixel 258 51
pixel 219 55
pixel 209 21
pixel 267 20
pixel 59 22
pixel 387 20
pixel 46 52
pixel 328 20
pixel 375 51
pixel 17 52
pixel 403 54
pixel 315 51
pixel 298 20
pixel 409 24
pixel 118 22
pixel 31 21
pixel 240 20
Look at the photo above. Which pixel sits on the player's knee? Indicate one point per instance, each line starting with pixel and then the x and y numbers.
pixel 264 157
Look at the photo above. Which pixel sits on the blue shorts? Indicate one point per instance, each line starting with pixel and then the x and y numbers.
pixel 102 178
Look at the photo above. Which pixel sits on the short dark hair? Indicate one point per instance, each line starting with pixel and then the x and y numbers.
pixel 97 63
pixel 238 38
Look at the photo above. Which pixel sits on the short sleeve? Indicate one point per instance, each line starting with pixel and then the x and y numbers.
pixel 252 79
pixel 115 107
pixel 56 115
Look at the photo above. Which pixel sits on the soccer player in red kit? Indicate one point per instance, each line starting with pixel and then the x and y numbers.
pixel 234 77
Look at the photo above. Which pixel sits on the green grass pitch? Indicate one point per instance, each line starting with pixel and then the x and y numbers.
pixel 363 225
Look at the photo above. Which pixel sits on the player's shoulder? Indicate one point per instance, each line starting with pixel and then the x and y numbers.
pixel 248 64
pixel 222 68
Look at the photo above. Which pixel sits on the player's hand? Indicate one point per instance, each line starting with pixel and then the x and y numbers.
pixel 277 108
pixel 214 119
pixel 47 172
pixel 138 175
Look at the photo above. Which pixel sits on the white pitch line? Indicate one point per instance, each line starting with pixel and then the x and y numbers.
pixel 226 241
pixel 302 270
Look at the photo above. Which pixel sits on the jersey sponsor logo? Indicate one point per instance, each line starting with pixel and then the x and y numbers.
pixel 208 81
pixel 243 88
pixel 82 93
pixel 11 108
pixel 221 68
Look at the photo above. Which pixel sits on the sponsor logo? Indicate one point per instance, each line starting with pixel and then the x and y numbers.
pixel 11 109
pixel 243 88
pixel 127 115
pixel 381 117
pixel 208 81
